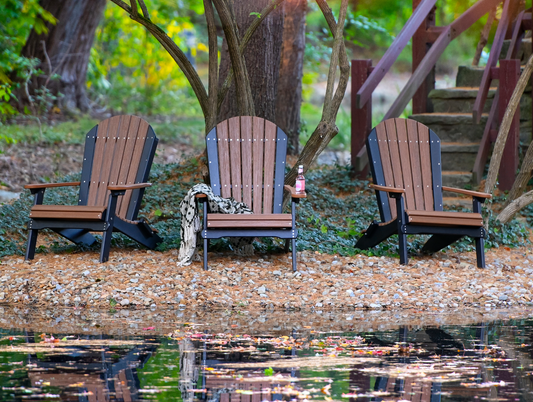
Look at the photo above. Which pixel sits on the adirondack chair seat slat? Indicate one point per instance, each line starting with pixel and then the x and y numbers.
pixel 81 212
pixel 439 218
pixel 405 160
pixel 116 163
pixel 247 159
pixel 249 221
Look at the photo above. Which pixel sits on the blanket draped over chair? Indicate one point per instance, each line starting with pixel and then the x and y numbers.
pixel 190 221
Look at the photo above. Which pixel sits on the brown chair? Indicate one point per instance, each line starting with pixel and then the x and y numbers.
pixel 247 159
pixel 405 161
pixel 116 162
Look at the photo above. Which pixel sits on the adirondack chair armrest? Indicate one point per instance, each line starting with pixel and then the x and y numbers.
pixel 475 194
pixel 201 195
pixel 293 192
pixel 39 186
pixel 393 192
pixel 126 187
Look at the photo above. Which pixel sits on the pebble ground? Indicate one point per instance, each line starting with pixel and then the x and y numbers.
pixel 140 279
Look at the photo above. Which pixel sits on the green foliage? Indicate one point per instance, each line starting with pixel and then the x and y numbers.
pixel 331 219
pixel 129 70
pixel 18 18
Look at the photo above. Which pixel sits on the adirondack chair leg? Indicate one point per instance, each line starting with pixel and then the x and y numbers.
pixel 480 252
pixel 206 244
pixel 402 236
pixel 294 255
pixel 32 242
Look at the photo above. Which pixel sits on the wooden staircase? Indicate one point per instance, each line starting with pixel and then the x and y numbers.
pixel 452 121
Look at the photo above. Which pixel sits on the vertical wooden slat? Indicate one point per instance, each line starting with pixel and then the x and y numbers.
pixel 96 165
pixel 394 153
pixel 246 150
pixel 223 159
pixel 212 160
pixel 405 159
pixel 120 147
pixel 257 176
pixel 224 397
pixel 130 137
pixel 114 126
pixel 270 156
pixel 235 397
pixel 414 152
pixel 235 157
pixel 279 175
pixel 425 166
pixel 383 143
pixel 98 155
pixel 140 138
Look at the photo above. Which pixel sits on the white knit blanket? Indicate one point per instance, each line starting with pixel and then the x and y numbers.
pixel 191 225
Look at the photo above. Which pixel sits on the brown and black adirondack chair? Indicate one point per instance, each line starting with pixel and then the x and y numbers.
pixel 116 164
pixel 405 161
pixel 246 159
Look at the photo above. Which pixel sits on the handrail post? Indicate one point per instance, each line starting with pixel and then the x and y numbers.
pixel 361 119
pixel 509 76
pixel 421 45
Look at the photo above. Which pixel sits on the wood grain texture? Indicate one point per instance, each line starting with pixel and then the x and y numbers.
pixel 270 157
pixel 234 126
pixel 425 166
pixel 223 159
pixel 258 149
pixel 246 149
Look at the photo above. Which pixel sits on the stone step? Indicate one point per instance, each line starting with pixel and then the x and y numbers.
pixel 458 155
pixel 453 127
pixel 469 76
pixel 457 179
pixel 458 99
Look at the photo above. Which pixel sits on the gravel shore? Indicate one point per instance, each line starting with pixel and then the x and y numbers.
pixel 139 279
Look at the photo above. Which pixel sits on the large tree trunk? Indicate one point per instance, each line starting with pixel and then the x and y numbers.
pixel 65 50
pixel 262 57
pixel 289 97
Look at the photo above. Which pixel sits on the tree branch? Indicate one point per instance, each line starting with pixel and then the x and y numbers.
pixel 327 129
pixel 175 52
pixel 242 85
pixel 516 205
pixel 134 11
pixel 244 42
pixel 145 10
pixel 210 118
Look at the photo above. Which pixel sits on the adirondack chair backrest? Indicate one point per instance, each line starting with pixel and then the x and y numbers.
pixel 246 158
pixel 406 154
pixel 118 151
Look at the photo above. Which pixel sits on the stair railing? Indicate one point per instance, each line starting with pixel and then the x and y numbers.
pixel 440 37
pixel 505 72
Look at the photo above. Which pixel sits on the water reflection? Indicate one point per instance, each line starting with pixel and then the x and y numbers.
pixel 490 361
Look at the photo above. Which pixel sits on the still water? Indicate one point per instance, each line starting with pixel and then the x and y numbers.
pixel 111 356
